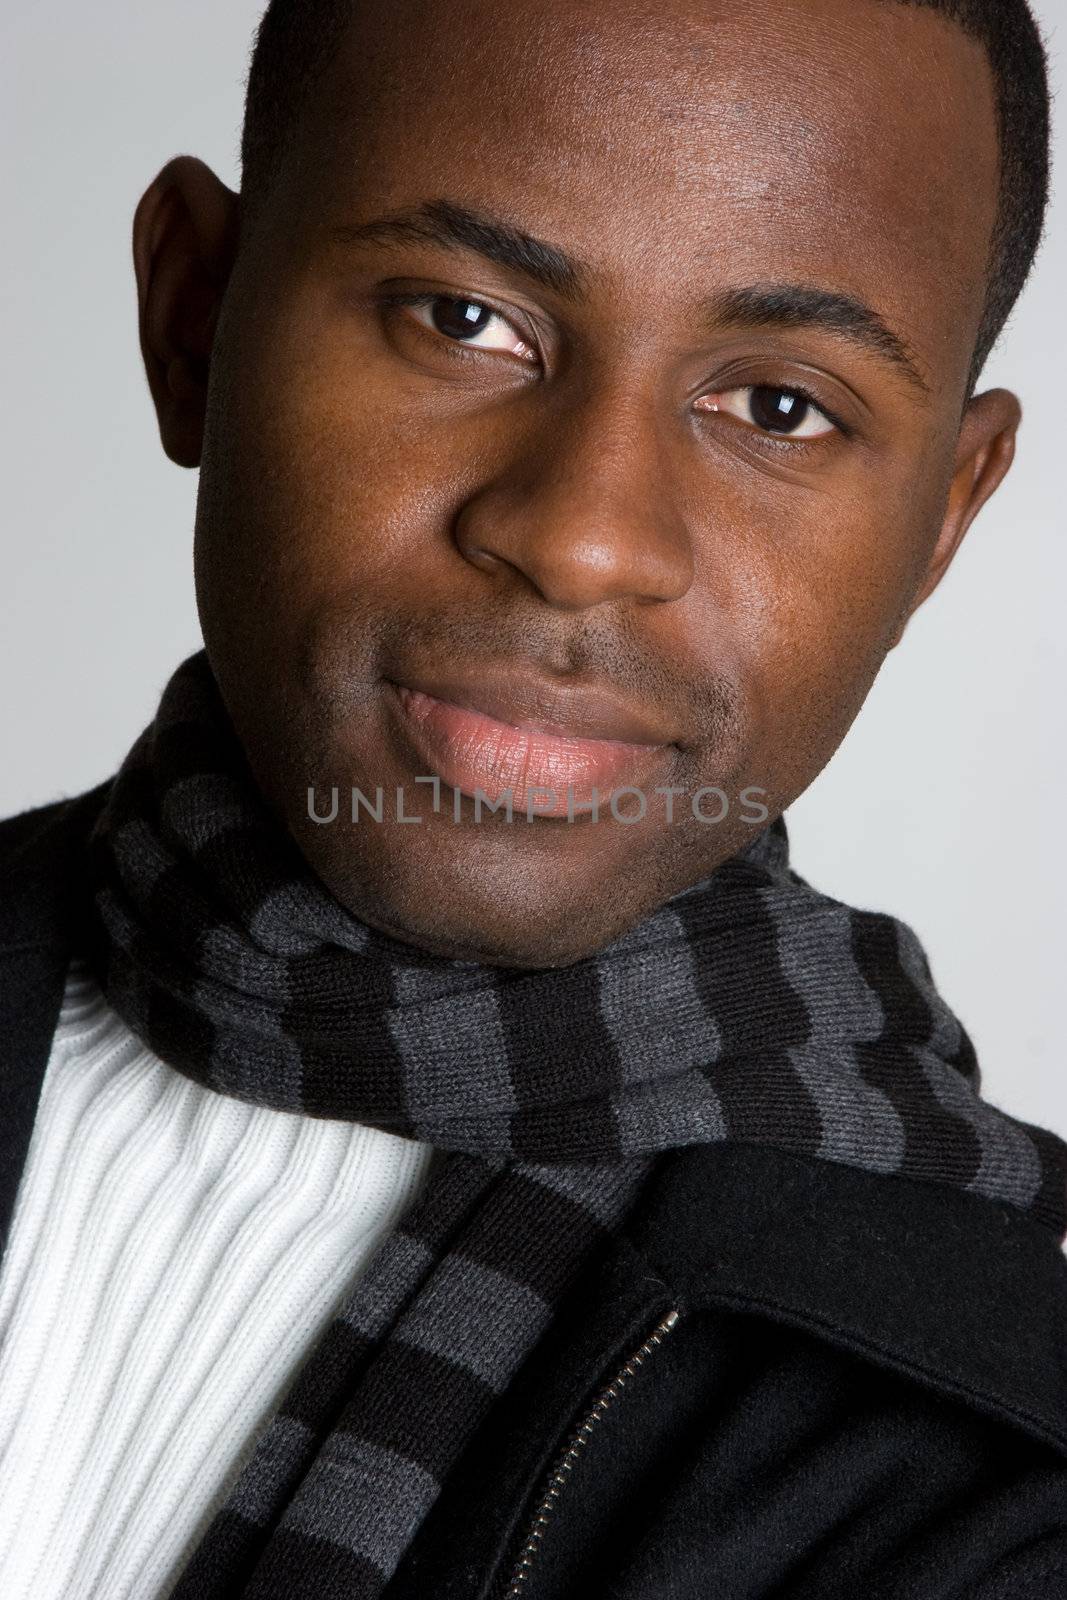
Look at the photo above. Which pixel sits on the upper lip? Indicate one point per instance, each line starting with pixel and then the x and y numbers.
pixel 544 705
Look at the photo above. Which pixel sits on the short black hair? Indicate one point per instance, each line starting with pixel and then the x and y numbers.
pixel 296 41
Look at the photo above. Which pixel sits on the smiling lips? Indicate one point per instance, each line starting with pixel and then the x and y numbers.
pixel 525 735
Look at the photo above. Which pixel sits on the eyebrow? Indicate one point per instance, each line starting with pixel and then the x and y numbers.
pixel 798 305
pixel 442 222
pixel 762 305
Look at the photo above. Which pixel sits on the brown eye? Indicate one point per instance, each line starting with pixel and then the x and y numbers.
pixel 460 319
pixel 788 413
pixel 468 322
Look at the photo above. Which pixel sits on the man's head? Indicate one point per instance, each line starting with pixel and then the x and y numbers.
pixel 625 351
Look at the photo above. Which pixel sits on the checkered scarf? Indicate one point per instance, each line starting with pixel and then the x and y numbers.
pixel 749 1007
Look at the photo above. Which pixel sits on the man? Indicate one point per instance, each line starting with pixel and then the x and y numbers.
pixel 449 1150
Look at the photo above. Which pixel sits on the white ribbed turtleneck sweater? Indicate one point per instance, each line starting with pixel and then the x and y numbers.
pixel 174 1255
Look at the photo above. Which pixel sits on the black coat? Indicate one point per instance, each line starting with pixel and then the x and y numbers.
pixel 863 1393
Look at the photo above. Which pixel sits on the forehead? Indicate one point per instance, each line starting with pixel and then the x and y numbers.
pixel 688 145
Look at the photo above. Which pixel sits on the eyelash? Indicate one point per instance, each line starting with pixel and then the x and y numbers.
pixel 776 442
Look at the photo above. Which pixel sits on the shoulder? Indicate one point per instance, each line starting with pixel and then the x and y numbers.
pixel 42 856
pixel 39 854
pixel 18 832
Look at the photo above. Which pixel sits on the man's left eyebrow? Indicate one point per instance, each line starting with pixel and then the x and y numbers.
pixel 764 305
pixel 801 306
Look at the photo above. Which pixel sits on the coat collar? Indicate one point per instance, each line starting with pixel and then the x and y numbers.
pixel 960 1292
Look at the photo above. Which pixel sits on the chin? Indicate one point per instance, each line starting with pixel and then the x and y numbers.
pixel 490 941
pixel 479 898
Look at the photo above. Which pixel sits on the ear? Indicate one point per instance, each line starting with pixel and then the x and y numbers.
pixel 184 243
pixel 984 452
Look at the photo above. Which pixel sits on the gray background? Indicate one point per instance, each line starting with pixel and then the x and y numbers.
pixel 943 804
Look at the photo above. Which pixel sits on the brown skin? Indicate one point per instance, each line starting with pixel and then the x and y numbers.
pixel 375 500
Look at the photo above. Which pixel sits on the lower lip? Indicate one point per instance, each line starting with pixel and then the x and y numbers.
pixel 470 751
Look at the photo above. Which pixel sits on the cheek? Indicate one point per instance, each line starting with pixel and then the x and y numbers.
pixel 315 488
pixel 813 600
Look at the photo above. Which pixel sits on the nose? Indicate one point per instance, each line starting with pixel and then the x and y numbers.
pixel 584 511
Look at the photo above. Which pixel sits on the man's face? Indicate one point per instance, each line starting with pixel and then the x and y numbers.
pixel 685 499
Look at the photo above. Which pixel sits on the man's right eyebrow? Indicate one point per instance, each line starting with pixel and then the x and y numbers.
pixel 442 222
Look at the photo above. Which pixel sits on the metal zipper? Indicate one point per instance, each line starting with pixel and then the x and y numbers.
pixel 564 1463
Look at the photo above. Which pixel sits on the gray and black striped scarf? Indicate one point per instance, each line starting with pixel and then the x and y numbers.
pixel 749 1007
